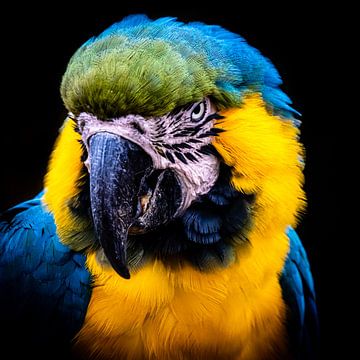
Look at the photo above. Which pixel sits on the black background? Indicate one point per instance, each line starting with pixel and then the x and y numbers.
pixel 37 42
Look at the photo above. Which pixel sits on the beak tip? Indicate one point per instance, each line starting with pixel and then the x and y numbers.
pixel 123 271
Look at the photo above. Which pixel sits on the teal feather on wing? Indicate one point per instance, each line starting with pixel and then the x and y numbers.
pixel 45 287
pixel 299 294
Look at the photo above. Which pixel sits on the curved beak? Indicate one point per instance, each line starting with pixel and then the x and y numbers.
pixel 121 176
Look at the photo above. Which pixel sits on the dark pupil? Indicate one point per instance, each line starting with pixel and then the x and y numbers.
pixel 197 109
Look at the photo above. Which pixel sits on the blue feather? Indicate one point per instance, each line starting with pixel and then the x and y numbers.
pixel 299 294
pixel 202 225
pixel 44 286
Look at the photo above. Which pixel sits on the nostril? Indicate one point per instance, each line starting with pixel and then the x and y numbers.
pixel 137 127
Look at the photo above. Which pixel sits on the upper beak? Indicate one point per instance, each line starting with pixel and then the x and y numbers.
pixel 120 174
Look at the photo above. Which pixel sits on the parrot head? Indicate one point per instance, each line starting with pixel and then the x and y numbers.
pixel 177 145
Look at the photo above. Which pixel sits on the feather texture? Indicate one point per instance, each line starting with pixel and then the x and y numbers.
pixel 299 294
pixel 45 287
pixel 161 59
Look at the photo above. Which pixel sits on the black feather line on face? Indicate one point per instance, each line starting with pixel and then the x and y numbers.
pixel 188 107
pixel 181 146
pixel 191 157
pixel 209 118
pixel 169 156
pixel 209 150
pixel 183 133
pixel 206 134
pixel 194 141
pixel 217 130
pixel 177 150
pixel 187 131
pixel 167 146
pixel 180 156
pixel 174 112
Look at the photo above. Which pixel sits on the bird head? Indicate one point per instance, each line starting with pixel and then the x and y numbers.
pixel 178 146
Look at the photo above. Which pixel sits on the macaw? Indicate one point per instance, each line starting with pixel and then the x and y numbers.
pixel 165 229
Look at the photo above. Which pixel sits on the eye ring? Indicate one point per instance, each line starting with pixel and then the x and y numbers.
pixel 198 111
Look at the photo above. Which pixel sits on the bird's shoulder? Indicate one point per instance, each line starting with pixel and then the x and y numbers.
pixel 44 285
pixel 299 295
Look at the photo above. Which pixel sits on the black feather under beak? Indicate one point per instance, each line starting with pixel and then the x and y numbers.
pixel 121 177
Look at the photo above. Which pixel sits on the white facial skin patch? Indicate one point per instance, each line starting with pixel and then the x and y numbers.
pixel 179 141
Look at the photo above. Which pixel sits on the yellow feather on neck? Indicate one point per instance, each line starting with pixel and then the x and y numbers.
pixel 265 155
pixel 182 313
pixel 62 187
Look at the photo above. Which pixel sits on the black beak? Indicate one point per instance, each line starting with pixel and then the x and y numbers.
pixel 120 173
pixel 117 166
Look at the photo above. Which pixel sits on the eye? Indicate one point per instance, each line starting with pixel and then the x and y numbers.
pixel 198 111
